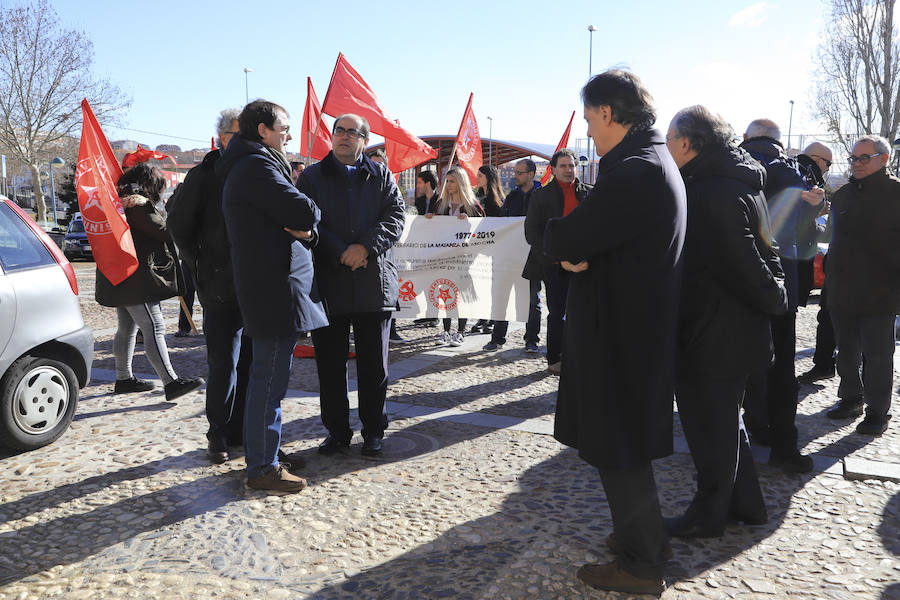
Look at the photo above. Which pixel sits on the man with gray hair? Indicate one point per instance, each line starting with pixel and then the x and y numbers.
pixel 863 284
pixel 733 284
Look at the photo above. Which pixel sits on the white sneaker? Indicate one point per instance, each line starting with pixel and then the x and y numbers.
pixel 457 339
pixel 445 338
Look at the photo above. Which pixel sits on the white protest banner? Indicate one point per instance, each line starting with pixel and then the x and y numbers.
pixel 469 268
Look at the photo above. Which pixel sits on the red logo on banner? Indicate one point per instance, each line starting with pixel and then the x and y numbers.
pixel 407 291
pixel 443 294
pixel 470 140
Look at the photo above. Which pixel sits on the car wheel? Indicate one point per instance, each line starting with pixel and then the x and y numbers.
pixel 37 402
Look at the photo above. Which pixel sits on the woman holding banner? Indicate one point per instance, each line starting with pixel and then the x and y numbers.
pixel 458 200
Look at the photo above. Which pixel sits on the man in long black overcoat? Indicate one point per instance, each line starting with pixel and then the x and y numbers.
pixel 623 246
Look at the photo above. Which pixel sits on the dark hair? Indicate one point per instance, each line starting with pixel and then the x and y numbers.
pixel 258 111
pixel 142 179
pixel 529 165
pixel 702 127
pixel 494 192
pixel 380 153
pixel 428 176
pixel 563 152
pixel 624 93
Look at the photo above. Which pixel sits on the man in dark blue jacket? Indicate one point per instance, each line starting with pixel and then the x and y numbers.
pixel 273 276
pixel 362 219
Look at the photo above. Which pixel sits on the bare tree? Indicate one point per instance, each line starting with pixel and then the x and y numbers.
pixel 858 74
pixel 45 71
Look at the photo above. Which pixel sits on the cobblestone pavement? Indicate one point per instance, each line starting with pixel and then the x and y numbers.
pixel 472 498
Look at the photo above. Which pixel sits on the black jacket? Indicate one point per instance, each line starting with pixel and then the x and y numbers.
pixel 863 267
pixel 733 282
pixel 618 367
pixel 365 208
pixel 273 272
pixel 516 202
pixel 546 203
pixel 158 275
pixel 426 205
pixel 197 225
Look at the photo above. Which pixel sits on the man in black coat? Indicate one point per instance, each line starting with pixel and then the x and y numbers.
pixel 197 225
pixel 265 216
pixel 557 199
pixel 362 219
pixel 733 283
pixel 426 192
pixel 770 405
pixel 863 275
pixel 622 245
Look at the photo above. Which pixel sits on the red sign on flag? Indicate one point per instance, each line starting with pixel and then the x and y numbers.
pixel 101 212
pixel 468 144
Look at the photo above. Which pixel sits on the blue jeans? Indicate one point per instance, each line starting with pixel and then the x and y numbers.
pixel 228 356
pixel 269 373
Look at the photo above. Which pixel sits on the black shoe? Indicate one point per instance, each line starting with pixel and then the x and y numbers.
pixel 128 386
pixel 686 527
pixel 396 338
pixel 846 408
pixel 491 346
pixel 181 386
pixel 216 453
pixel 817 373
pixel 183 333
pixel 371 446
pixel 749 519
pixel 332 445
pixel 873 425
pixel 293 462
pixel 791 462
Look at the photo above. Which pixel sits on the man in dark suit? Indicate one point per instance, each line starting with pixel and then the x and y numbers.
pixel 733 284
pixel 622 245
pixel 362 219
pixel 273 276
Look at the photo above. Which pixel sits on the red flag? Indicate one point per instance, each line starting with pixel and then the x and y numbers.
pixel 313 126
pixel 402 157
pixel 468 144
pixel 102 213
pixel 563 142
pixel 212 143
pixel 142 155
pixel 349 93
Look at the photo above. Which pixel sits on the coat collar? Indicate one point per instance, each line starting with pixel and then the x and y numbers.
pixel 628 146
pixel 332 166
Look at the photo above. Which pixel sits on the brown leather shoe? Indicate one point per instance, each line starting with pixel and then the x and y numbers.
pixel 611 578
pixel 278 479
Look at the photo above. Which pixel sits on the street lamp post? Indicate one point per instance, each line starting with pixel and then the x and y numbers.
pixel 246 85
pixel 56 162
pixel 490 141
pixel 591 30
pixel 790 122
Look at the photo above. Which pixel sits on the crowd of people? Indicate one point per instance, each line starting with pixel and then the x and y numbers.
pixel 676 275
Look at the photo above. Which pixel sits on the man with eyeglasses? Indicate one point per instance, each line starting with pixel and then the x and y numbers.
pixel 770 403
pixel 197 225
pixel 271 227
pixel 863 274
pixel 516 205
pixel 815 161
pixel 362 219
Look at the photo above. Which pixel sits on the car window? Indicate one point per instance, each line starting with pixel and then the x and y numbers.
pixel 76 227
pixel 19 247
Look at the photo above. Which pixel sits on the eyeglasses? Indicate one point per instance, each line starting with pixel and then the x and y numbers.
pixel 517 172
pixel 863 159
pixel 353 134
pixel 286 129
pixel 230 132
pixel 824 160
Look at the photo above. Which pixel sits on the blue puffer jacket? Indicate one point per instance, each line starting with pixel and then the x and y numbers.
pixel 273 272
pixel 360 207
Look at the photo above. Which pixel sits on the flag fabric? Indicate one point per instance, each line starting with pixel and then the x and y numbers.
pixel 101 212
pixel 313 127
pixel 349 93
pixel 563 142
pixel 142 155
pixel 468 144
pixel 401 156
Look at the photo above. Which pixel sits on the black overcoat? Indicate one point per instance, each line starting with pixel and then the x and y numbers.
pixel 616 390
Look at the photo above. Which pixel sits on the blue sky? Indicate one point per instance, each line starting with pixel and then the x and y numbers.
pixel 525 61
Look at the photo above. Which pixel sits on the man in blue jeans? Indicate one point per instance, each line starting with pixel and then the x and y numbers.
pixel 516 205
pixel 265 216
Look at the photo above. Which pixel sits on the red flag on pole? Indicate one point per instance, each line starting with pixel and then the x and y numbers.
pixel 402 157
pixel 349 93
pixel 313 127
pixel 102 213
pixel 563 142
pixel 468 144
pixel 143 155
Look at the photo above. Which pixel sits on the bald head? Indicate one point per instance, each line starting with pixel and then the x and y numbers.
pixel 763 128
pixel 820 154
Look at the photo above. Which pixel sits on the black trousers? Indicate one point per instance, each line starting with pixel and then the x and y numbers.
pixel 869 337
pixel 771 399
pixel 726 475
pixel 371 336
pixel 637 520
pixel 825 339
pixel 190 291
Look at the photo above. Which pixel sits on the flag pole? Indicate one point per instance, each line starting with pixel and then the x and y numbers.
pixel 455 141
